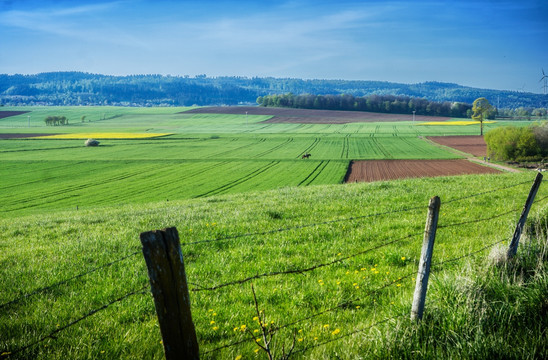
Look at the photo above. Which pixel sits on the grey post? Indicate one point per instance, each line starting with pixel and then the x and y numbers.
pixel 426 258
pixel 166 271
pixel 513 248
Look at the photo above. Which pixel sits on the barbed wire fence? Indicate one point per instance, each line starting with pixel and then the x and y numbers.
pixel 341 305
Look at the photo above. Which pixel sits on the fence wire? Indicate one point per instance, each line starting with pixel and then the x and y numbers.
pixel 52 334
pixel 298 227
pixel 486 192
pixel 303 270
pixel 67 280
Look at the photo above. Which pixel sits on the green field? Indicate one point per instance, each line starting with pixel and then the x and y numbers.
pixel 239 152
pixel 246 204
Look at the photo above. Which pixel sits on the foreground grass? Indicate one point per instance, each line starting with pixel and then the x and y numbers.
pixel 356 307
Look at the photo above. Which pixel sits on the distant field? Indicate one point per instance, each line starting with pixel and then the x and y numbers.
pixel 304 116
pixel 207 153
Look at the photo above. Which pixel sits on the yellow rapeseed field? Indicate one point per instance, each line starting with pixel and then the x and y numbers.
pixel 460 123
pixel 103 136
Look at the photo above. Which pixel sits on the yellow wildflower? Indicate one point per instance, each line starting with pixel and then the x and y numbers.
pixel 238 357
pixel 335 332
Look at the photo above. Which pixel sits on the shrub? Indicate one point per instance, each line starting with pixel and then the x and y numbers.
pixel 513 143
pixel 92 142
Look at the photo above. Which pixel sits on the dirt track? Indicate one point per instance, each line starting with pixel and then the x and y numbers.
pixel 474 145
pixel 378 170
pixel 305 116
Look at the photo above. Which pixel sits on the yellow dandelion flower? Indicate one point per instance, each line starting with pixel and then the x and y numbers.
pixel 326 326
pixel 255 331
pixel 373 269
pixel 358 306
pixel 236 328
pixel 338 282
pixel 348 272
pixel 257 340
pixel 339 254
pixel 256 350
pixel 398 285
pixel 335 332
pixel 300 339
pixel 403 258
pixel 255 318
pixel 238 357
pixel 363 269
pixel 210 310
pixel 357 287
pixel 243 327
pixel 315 338
pixel 300 331
pixel 211 322
pixel 354 284
pixel 214 314
pixel 215 328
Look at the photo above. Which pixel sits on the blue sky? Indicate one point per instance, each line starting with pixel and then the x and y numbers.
pixel 497 44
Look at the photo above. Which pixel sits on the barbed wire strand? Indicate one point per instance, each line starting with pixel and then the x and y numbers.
pixel 303 270
pixel 438 264
pixel 233 237
pixel 298 227
pixel 68 280
pixel 486 192
pixel 341 305
pixel 478 220
pixel 350 333
pixel 74 322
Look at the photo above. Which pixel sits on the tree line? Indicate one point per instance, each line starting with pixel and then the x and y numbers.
pixel 78 88
pixel 56 120
pixel 373 103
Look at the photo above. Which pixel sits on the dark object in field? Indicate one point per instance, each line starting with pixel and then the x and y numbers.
pixel 305 156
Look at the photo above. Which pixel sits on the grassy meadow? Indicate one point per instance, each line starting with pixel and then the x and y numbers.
pixel 245 205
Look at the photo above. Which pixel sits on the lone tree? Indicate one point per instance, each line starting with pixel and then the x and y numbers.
pixel 481 110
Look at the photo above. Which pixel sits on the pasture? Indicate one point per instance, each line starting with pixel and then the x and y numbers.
pixel 333 265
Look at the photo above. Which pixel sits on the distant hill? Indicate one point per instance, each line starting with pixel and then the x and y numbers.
pixel 78 88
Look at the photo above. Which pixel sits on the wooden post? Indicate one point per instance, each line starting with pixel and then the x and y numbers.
pixel 426 258
pixel 166 271
pixel 513 248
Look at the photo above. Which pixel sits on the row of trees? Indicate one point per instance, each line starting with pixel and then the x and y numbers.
pixel 56 120
pixel 374 103
pixel 510 143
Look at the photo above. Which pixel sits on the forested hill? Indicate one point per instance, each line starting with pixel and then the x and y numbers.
pixel 77 88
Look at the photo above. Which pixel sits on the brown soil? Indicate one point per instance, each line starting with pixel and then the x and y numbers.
pixel 20 136
pixel 474 145
pixel 5 114
pixel 378 170
pixel 305 116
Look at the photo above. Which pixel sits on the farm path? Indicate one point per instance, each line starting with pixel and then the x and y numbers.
pixel 471 157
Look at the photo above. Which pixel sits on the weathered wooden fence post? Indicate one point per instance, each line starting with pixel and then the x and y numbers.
pixel 513 248
pixel 426 258
pixel 166 271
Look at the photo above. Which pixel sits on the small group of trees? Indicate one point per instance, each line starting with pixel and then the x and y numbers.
pixel 374 103
pixel 511 143
pixel 56 120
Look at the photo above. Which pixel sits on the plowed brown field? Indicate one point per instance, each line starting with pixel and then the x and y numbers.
pixel 377 170
pixel 20 136
pixel 305 116
pixel 474 145
pixel 5 114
